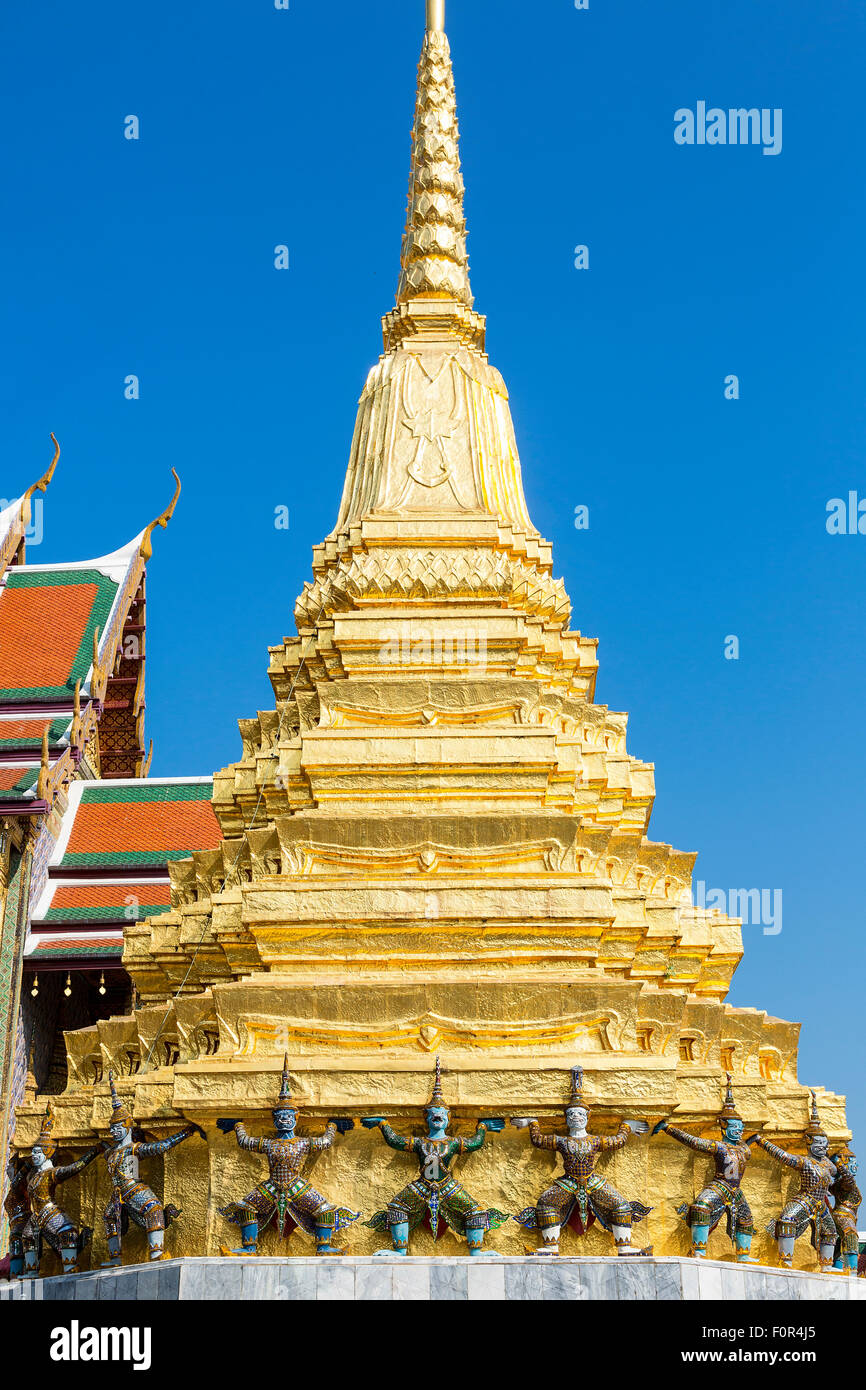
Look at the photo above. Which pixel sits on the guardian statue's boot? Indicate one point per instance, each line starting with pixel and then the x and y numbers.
pixel 32 1252
pixel 435 1195
pixel 48 1224
pixel 132 1200
pixel 723 1196
pixel 581 1196
pixel 17 1208
pixel 286 1197
pixel 847 1198
pixel 811 1206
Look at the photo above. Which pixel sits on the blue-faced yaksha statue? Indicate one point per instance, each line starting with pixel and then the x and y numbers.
pixel 723 1196
pixel 47 1223
pixel 286 1196
pixel 582 1196
pixel 436 1196
pixel 131 1199
pixel 811 1206
pixel 847 1198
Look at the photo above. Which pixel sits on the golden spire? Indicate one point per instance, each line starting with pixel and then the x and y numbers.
pixel 434 261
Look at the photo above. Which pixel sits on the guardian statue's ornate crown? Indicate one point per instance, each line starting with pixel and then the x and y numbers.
pixel 814 1129
pixel 120 1113
pixel 576 1097
pixel 45 1142
pixel 729 1109
pixel 436 1097
pixel 284 1100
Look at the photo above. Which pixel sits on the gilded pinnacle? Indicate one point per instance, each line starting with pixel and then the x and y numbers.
pixel 434 261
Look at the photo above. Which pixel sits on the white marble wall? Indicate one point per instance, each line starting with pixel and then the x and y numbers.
pixel 519 1278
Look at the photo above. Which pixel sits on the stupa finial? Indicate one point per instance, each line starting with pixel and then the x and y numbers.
pixel 435 16
pixel 434 264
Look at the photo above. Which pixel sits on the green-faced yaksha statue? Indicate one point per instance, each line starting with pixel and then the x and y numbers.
pixel 723 1196
pixel 582 1196
pixel 435 1194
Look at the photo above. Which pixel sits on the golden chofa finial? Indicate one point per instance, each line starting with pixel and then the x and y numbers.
pixel 40 486
pixel 75 731
pixel 47 476
pixel 435 16
pixel 162 520
pixel 44 767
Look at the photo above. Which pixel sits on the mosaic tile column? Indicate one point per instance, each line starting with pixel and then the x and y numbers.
pixel 12 934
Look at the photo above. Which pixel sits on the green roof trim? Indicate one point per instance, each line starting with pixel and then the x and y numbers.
pixel 103 913
pixel 157 857
pixel 178 791
pixel 27 780
pixel 101 948
pixel 99 614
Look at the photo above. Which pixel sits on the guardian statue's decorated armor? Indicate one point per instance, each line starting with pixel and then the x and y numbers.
pixel 48 1224
pixel 581 1196
pixel 723 1196
pixel 286 1196
pixel 811 1206
pixel 847 1198
pixel 131 1199
pixel 17 1209
pixel 435 1196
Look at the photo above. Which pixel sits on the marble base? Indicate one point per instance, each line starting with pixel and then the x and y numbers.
pixel 520 1278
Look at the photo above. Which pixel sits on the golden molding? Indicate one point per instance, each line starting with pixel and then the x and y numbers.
pixel 309 858
pixel 261 1035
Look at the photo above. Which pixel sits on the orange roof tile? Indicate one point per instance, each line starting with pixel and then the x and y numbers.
pixel 137 822
pixel 54 946
pixel 24 728
pixel 41 630
pixel 69 895
pixel 148 826
pixel 11 776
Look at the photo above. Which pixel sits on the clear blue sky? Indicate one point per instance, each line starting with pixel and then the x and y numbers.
pixel 261 127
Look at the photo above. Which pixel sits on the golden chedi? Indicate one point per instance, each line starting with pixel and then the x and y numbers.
pixel 437 842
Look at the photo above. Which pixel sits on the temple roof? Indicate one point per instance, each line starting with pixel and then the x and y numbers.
pixel 72 641
pixel 110 864
pixel 49 615
pixel 154 821
pixel 15 517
